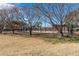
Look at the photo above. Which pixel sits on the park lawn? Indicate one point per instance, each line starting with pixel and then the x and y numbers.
pixel 11 44
pixel 55 40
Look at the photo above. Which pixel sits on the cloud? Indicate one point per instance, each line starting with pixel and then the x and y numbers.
pixel 6 6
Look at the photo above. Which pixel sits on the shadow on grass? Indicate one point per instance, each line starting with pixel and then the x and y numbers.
pixel 54 39
pixel 50 37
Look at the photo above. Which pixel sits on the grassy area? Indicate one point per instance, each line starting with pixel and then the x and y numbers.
pixel 52 38
pixel 63 40
pixel 13 44
pixel 49 37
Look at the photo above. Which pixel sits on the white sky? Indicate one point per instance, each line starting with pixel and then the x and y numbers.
pixel 39 1
pixel 6 6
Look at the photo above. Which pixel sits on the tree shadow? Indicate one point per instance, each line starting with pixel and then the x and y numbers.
pixel 51 37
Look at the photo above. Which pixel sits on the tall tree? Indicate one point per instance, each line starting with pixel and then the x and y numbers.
pixel 31 16
pixel 56 14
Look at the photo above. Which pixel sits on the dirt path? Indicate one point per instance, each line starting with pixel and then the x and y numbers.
pixel 17 45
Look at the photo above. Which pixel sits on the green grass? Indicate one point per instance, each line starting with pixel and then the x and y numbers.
pixel 54 40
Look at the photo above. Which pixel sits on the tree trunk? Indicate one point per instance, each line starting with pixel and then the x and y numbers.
pixel 68 29
pixel 13 31
pixel 30 30
pixel 45 29
pixel 71 30
pixel 0 30
pixel 61 33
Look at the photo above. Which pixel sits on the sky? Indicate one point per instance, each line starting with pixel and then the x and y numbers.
pixel 39 1
pixel 9 5
pixel 74 6
pixel 24 4
pixel 20 5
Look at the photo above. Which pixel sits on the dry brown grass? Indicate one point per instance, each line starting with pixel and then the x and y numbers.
pixel 20 45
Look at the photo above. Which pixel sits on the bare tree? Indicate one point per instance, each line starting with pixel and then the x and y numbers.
pixel 31 16
pixel 9 15
pixel 72 20
pixel 56 13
